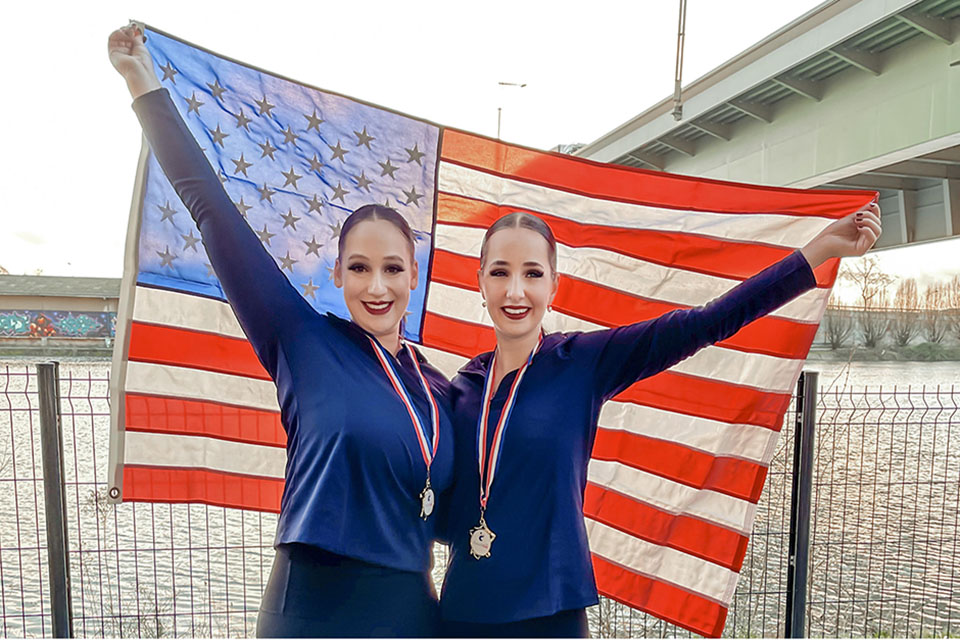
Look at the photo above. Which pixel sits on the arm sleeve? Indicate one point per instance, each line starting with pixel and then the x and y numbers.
pixel 265 302
pixel 630 353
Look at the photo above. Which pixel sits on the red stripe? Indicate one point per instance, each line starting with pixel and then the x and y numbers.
pixel 709 399
pixel 203 418
pixel 457 336
pixel 663 600
pixel 711 256
pixel 738 478
pixel 636 186
pixel 613 308
pixel 162 484
pixel 186 348
pixel 667 390
pixel 684 533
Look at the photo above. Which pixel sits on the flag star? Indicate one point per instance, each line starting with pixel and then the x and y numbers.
pixel 338 152
pixel 316 164
pixel 241 165
pixel 168 73
pixel 386 201
pixel 289 220
pixel 209 267
pixel 265 235
pixel 190 241
pixel 193 103
pixel 339 192
pixel 266 193
pixel 315 204
pixel 242 120
pixel 289 136
pixel 218 136
pixel 309 289
pixel 265 106
pixel 287 262
pixel 314 121
pixel 335 228
pixel 167 211
pixel 242 207
pixel 363 182
pixel 415 155
pixel 363 138
pixel 216 89
pixel 330 273
pixel 291 177
pixel 167 258
pixel 388 168
pixel 313 246
pixel 413 196
pixel 268 149
pixel 222 176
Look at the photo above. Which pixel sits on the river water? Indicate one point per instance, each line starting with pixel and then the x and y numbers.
pixel 885 559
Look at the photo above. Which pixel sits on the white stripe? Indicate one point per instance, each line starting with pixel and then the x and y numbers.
pixel 182 382
pixel 172 309
pixel 673 497
pixel 756 370
pixel 638 277
pixel 169 450
pixel 663 563
pixel 767 228
pixel 448 363
pixel 743 441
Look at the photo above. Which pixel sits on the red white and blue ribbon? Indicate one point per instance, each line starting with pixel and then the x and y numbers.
pixel 426 449
pixel 488 463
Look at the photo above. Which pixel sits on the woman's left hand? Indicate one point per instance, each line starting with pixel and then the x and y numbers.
pixel 850 236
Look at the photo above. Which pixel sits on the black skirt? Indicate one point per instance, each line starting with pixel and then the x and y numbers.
pixel 313 593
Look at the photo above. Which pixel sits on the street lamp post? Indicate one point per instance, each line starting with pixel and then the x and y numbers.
pixel 519 85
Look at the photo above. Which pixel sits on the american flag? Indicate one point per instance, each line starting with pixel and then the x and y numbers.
pixel 680 458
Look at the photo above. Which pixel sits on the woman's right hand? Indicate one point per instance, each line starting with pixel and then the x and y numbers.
pixel 130 57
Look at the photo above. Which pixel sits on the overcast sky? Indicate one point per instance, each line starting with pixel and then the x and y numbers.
pixel 72 140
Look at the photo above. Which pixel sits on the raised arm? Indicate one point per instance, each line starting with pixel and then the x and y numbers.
pixel 633 352
pixel 267 305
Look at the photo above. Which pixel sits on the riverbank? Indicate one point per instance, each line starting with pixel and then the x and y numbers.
pixel 924 352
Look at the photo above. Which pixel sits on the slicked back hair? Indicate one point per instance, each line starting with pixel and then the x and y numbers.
pixel 522 220
pixel 376 212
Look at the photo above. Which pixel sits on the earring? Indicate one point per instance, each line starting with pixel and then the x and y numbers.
pixel 549 307
pixel 483 304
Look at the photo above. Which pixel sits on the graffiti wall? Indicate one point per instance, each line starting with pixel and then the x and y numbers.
pixel 57 324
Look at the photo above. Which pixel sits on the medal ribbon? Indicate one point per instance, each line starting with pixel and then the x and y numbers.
pixel 426 450
pixel 488 464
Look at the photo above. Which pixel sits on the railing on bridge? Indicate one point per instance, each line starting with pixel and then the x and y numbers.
pixel 884 532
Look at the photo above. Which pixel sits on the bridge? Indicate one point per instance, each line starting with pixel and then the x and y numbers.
pixel 854 94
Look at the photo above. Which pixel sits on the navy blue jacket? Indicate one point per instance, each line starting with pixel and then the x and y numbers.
pixel 354 469
pixel 540 562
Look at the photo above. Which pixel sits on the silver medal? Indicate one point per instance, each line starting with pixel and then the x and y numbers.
pixel 427 501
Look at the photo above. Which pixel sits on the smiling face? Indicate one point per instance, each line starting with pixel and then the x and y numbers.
pixel 516 281
pixel 377 272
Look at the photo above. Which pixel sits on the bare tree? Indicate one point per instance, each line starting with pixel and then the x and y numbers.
pixel 935 303
pixel 905 324
pixel 953 305
pixel 871 284
pixel 837 323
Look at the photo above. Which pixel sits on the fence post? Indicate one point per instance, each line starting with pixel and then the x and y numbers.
pixel 55 499
pixel 800 504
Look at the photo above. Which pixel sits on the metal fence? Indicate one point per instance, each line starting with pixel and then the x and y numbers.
pixel 884 532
